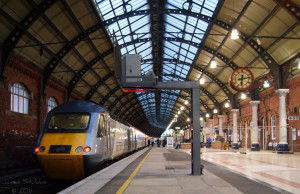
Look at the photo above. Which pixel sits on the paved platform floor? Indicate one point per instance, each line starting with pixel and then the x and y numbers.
pixel 280 170
pixel 168 171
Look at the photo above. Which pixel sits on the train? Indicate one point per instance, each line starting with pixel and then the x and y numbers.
pixel 79 136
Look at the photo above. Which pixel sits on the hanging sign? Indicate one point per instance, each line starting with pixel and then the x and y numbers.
pixel 294 118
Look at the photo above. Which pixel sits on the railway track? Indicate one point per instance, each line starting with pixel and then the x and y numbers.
pixel 34 181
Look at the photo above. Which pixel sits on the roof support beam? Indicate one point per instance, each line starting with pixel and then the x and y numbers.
pixel 133 113
pixel 176 105
pixel 208 94
pixel 84 69
pixel 217 105
pixel 292 8
pixel 82 36
pixel 15 36
pixel 225 89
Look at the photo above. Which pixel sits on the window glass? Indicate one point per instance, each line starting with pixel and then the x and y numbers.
pixel 69 121
pixel 19 99
pixel 52 103
pixel 101 127
pixel 273 126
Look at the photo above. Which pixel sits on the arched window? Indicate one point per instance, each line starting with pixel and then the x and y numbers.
pixel 273 126
pixel 19 99
pixel 51 103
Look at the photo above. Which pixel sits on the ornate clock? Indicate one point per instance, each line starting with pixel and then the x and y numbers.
pixel 241 79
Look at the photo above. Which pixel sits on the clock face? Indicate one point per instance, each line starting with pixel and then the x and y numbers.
pixel 241 79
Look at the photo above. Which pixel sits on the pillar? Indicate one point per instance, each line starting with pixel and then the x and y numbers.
pixel 234 136
pixel 283 143
pixel 254 126
pixel 220 117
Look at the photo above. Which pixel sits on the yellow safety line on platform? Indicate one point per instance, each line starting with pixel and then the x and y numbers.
pixel 133 174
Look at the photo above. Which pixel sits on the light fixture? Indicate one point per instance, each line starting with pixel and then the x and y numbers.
pixel 201 118
pixel 179 112
pixel 258 41
pixel 215 111
pixel 243 96
pixel 226 105
pixel 213 64
pixel 234 34
pixel 202 81
pixel 188 119
pixel 182 108
pixel 176 116
pixel 186 102
pixel 207 115
pixel 266 84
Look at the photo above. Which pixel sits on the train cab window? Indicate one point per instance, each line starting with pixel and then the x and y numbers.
pixel 69 121
pixel 19 99
pixel 52 103
pixel 101 127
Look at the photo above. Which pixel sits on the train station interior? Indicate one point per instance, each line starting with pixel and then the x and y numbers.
pixel 107 84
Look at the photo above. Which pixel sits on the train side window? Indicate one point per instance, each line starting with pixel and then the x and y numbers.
pixel 101 126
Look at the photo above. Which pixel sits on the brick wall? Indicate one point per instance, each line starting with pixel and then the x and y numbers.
pixel 269 105
pixel 18 132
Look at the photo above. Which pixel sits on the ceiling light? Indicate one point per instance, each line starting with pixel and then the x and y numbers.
pixel 213 64
pixel 182 108
pixel 234 34
pixel 186 102
pixel 243 96
pixel 188 119
pixel 201 118
pixel 202 81
pixel 215 111
pixel 266 84
pixel 227 105
pixel 207 115
pixel 258 41
pixel 179 112
pixel 176 116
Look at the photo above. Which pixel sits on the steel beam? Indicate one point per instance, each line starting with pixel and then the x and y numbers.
pixel 210 75
pixel 13 38
pixel 292 8
pixel 138 101
pixel 208 110
pixel 84 69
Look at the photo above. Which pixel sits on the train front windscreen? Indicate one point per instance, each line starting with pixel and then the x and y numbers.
pixel 68 122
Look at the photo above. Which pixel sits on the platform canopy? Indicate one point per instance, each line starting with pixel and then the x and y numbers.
pixel 72 42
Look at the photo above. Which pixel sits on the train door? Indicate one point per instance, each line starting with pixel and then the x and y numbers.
pixel 108 135
pixel 102 135
pixel 128 139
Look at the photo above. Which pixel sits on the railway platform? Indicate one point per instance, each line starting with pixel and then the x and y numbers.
pixel 161 170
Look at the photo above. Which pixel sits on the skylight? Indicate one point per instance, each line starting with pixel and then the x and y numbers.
pixel 178 52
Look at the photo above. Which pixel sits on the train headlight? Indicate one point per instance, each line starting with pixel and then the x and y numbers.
pixel 36 150
pixel 78 149
pixel 87 149
pixel 42 148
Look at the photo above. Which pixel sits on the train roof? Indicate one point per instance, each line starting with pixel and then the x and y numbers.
pixel 78 106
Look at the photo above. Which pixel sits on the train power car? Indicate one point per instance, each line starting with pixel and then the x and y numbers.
pixel 79 136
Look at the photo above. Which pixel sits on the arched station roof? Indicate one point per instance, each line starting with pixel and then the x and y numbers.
pixel 72 41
